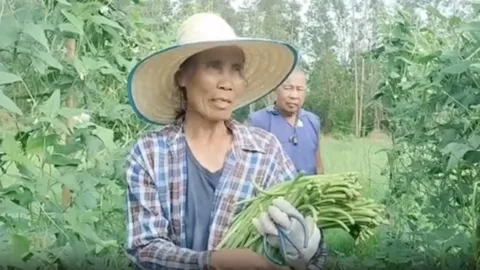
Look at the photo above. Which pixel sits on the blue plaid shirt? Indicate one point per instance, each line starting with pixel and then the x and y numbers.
pixel 156 188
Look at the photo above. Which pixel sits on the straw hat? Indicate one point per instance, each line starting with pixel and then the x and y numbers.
pixel 151 87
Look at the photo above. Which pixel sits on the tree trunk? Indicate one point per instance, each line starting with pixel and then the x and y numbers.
pixel 70 102
pixel 356 114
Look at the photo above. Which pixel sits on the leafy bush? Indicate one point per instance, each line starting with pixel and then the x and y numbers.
pixel 431 93
pixel 62 195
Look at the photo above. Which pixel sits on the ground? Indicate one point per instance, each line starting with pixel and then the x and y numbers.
pixel 366 157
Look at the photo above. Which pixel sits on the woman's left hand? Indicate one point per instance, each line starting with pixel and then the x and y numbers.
pixel 280 213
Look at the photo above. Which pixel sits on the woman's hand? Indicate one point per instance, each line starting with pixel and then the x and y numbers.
pixel 281 213
pixel 239 259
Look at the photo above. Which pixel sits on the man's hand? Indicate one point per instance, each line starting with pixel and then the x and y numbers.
pixel 278 213
pixel 239 259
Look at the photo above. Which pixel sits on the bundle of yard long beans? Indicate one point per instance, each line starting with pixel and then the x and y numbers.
pixel 333 200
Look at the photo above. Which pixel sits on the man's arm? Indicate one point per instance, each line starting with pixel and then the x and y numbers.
pixel 320 169
pixel 149 245
pixel 315 120
pixel 258 119
pixel 252 121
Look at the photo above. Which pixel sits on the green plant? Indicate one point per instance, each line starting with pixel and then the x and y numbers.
pixel 62 79
pixel 431 93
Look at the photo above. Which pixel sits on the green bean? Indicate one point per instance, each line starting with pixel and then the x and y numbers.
pixel 332 200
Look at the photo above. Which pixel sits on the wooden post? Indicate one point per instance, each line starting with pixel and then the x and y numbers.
pixel 70 102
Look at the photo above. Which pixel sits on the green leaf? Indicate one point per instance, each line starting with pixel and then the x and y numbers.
pixel 70 112
pixel 37 33
pixel 93 144
pixel 106 135
pixel 454 21
pixel 77 23
pixel 472 157
pixel 429 57
pixel 49 60
pixel 9 208
pixel 6 78
pixel 51 106
pixel 80 68
pixel 61 160
pixel 87 199
pixel 456 151
pixel 394 75
pixel 69 28
pixel 11 147
pixel 8 104
pixel 68 149
pixel 63 2
pixel 408 61
pixel 474 140
pixel 9 34
pixel 435 12
pixel 456 68
pixel 3 68
pixel 471 26
pixel 102 20
pixel 70 181
pixel 38 145
pixel 475 67
pixel 39 65
pixel 20 244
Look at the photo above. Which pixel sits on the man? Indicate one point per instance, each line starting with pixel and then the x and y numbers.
pixel 297 130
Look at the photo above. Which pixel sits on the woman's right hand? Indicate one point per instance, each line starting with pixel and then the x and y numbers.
pixel 239 259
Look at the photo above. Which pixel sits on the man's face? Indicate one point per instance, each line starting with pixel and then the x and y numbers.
pixel 291 94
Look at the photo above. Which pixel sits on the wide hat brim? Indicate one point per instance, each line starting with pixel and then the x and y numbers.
pixel 151 87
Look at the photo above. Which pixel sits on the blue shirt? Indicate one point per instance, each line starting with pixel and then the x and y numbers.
pixel 304 153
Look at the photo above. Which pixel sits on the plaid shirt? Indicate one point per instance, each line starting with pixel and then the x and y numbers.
pixel 156 180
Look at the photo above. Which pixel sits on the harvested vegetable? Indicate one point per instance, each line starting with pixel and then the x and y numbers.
pixel 333 200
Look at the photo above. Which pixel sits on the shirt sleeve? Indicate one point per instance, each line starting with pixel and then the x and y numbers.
pixel 283 169
pixel 258 119
pixel 318 260
pixel 251 120
pixel 316 122
pixel 149 245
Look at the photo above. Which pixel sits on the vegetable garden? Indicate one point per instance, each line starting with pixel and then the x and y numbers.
pixel 65 127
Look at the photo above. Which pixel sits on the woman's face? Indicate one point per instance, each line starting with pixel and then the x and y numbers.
pixel 213 80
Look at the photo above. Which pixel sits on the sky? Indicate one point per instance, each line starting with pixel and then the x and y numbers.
pixel 236 3
pixel 389 4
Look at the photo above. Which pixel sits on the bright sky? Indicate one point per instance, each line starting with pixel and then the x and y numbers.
pixel 390 4
pixel 236 3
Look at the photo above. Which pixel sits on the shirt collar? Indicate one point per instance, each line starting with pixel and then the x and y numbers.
pixel 274 110
pixel 243 138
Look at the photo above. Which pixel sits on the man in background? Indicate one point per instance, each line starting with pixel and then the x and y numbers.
pixel 297 130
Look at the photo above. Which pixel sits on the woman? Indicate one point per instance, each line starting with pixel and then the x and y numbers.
pixel 184 180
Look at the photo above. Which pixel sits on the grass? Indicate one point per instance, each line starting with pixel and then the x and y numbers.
pixel 365 157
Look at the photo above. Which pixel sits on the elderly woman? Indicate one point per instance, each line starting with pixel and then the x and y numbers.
pixel 184 180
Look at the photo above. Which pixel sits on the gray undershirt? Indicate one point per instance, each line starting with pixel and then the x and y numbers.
pixel 201 185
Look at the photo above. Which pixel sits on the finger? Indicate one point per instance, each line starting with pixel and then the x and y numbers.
pixel 286 207
pixel 311 224
pixel 273 240
pixel 279 217
pixel 267 225
pixel 258 226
